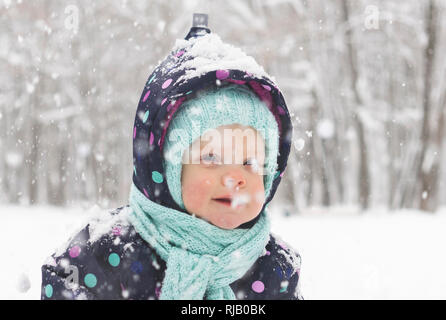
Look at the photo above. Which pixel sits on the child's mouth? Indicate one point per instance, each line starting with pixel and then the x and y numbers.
pixel 230 202
pixel 226 202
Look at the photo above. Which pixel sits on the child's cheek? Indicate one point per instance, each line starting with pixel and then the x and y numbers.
pixel 197 193
pixel 259 195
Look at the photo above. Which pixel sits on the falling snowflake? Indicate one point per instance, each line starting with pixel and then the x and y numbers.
pixel 299 144
pixel 240 200
pixel 240 295
pixel 325 129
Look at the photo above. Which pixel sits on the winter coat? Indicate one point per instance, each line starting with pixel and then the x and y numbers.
pixel 108 259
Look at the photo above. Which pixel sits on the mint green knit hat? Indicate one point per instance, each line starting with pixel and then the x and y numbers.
pixel 225 105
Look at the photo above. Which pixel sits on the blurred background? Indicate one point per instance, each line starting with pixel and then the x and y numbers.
pixel 363 197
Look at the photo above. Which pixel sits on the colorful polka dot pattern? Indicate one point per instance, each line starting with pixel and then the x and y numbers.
pixel 114 259
pixel 146 116
pixel 166 83
pixel 258 286
pixel 146 96
pixel 75 251
pixel 143 266
pixel 222 74
pixel 90 280
pixel 157 177
pixel 151 79
pixel 48 291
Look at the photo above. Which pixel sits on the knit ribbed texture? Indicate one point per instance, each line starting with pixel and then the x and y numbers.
pixel 202 259
pixel 218 107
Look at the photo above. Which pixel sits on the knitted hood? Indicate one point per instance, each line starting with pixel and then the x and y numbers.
pixel 199 61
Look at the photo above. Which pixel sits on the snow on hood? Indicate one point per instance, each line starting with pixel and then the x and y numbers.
pixel 209 53
pixel 195 63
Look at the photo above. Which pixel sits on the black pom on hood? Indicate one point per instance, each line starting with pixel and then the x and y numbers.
pixel 199 61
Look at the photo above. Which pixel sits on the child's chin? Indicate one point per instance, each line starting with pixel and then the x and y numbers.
pixel 226 224
pixel 227 227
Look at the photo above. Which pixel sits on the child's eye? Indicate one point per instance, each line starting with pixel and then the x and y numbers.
pixel 251 162
pixel 255 167
pixel 210 158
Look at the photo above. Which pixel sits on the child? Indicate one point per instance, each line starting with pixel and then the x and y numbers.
pixel 197 224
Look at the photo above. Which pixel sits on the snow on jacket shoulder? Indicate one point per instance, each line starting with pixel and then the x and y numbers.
pixel 109 260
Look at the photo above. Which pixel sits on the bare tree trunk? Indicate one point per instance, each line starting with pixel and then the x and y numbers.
pixel 33 161
pixel 310 177
pixel 319 151
pixel 338 168
pixel 391 138
pixel 291 182
pixel 428 164
pixel 363 175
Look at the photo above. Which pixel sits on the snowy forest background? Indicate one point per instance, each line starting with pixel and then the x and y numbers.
pixel 365 82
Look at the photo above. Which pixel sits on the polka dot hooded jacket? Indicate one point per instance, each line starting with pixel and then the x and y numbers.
pixel 108 259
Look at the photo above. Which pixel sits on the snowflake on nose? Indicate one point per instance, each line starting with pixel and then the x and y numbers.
pixel 229 182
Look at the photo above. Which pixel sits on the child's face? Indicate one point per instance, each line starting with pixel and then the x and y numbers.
pixel 219 167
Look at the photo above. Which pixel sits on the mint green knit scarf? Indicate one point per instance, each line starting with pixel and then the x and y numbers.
pixel 202 259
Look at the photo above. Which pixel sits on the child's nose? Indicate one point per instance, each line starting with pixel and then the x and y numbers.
pixel 234 178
